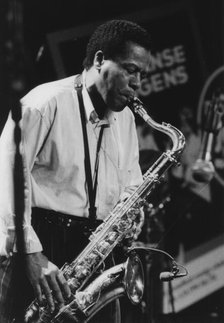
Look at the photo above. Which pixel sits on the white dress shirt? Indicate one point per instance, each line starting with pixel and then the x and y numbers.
pixel 53 153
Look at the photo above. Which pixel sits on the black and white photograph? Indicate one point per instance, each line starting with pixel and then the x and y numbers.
pixel 112 161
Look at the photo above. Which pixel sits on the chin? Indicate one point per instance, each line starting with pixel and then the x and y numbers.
pixel 119 108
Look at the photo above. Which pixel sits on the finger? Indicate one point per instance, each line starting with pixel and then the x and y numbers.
pixel 130 232
pixel 127 242
pixel 63 284
pixel 52 282
pixel 128 236
pixel 134 227
pixel 135 214
pixel 38 293
pixel 48 294
pixel 140 218
pixel 140 223
pixel 132 214
pixel 136 234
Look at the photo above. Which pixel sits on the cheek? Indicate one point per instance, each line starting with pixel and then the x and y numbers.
pixel 113 73
pixel 117 81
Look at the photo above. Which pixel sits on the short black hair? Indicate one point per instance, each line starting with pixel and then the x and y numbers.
pixel 112 37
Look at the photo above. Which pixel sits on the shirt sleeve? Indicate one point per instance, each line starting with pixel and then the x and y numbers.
pixel 7 192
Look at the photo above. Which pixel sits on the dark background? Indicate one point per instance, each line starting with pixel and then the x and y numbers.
pixel 201 26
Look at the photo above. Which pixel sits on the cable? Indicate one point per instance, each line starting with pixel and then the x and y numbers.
pixel 165 275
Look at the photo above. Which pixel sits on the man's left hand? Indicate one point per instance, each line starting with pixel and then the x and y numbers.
pixel 136 215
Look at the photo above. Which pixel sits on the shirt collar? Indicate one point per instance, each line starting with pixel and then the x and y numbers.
pixel 91 114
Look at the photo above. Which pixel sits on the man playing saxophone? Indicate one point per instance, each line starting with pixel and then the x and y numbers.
pixel 80 157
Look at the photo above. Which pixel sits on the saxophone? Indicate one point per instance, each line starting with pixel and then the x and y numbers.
pixel 125 278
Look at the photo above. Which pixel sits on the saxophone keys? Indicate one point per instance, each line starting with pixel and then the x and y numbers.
pixel 103 246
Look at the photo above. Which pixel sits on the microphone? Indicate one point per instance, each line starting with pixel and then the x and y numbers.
pixel 166 276
pixel 203 169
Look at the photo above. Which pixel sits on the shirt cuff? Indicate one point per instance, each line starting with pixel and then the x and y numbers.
pixel 32 243
pixel 8 241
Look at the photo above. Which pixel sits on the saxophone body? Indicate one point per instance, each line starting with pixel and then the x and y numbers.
pixel 126 278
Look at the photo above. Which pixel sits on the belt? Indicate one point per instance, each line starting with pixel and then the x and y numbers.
pixel 64 220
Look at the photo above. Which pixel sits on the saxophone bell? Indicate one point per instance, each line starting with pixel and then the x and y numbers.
pixel 118 281
pixel 134 278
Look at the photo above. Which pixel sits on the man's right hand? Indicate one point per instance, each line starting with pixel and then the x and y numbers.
pixel 46 280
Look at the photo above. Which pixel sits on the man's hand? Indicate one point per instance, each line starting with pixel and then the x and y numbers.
pixel 135 221
pixel 137 217
pixel 47 280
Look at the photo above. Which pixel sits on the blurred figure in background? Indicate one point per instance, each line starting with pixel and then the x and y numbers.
pixel 183 174
pixel 191 208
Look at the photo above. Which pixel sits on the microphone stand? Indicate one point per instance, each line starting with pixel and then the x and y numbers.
pixel 170 287
pixel 17 86
pixel 18 177
pixel 18 274
pixel 152 304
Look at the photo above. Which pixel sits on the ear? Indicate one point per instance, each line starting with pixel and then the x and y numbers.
pixel 98 59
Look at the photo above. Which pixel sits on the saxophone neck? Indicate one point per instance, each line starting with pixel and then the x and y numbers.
pixel 176 136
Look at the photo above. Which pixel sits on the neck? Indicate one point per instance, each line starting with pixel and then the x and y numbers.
pixel 98 103
pixel 96 98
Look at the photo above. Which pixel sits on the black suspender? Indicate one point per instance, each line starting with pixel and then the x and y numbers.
pixel 92 187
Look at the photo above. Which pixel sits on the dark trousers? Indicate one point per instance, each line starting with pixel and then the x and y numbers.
pixel 15 290
pixel 62 242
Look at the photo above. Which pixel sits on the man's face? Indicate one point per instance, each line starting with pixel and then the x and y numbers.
pixel 120 79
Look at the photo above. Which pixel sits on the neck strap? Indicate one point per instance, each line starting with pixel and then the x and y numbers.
pixel 92 187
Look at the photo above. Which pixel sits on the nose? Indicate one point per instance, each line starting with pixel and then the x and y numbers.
pixel 135 81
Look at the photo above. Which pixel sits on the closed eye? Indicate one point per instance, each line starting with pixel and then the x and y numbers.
pixel 134 70
pixel 130 68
